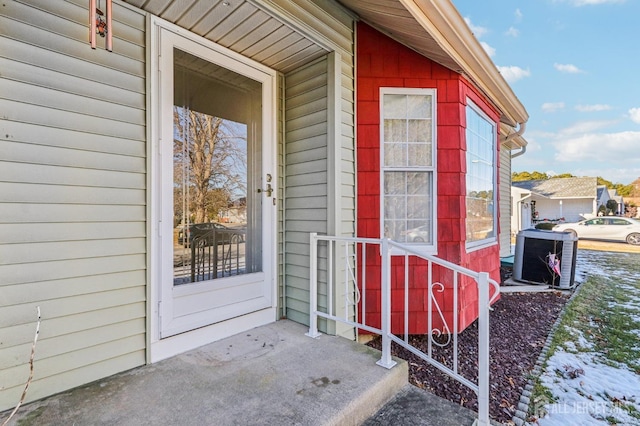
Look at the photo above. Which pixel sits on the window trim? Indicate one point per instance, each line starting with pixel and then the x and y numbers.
pixel 486 242
pixel 429 248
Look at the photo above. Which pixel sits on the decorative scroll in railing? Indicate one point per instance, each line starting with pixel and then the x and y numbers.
pixel 384 290
pixel 217 253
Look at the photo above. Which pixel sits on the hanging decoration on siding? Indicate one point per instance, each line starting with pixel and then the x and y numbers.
pixel 100 24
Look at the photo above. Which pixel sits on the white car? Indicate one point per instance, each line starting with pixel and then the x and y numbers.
pixel 605 228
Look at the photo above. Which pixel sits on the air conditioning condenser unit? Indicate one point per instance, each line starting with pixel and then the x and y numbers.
pixel 546 257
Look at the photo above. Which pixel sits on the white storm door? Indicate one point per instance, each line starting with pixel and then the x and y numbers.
pixel 217 162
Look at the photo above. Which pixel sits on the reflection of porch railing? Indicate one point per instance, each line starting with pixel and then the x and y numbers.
pixel 442 322
pixel 216 254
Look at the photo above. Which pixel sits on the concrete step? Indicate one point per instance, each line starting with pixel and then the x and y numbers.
pixel 271 375
pixel 415 407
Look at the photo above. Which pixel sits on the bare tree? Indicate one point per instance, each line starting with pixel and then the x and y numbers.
pixel 209 163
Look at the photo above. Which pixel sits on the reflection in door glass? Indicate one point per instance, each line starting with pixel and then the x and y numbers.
pixel 216 159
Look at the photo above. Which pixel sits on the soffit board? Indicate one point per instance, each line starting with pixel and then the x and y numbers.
pixel 436 30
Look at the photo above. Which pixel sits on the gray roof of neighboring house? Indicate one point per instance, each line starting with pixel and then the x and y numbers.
pixel 582 187
pixel 601 189
pixel 613 194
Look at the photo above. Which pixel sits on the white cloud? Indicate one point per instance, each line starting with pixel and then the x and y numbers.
pixel 513 73
pixel 593 108
pixel 634 114
pixel 568 68
pixel 518 14
pixel 584 149
pixel 477 30
pixel 552 106
pixel 618 147
pixel 490 50
pixel 583 128
pixel 512 32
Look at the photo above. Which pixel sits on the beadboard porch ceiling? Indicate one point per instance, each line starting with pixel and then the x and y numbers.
pixel 240 26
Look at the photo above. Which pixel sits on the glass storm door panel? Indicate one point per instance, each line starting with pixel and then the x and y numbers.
pixel 216 195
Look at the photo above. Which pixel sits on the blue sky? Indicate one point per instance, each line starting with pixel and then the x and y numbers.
pixel 575 65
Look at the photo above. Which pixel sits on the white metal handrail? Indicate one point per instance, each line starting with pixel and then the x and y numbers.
pixel 353 258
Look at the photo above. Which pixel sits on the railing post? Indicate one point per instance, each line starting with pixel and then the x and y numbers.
pixel 483 348
pixel 386 361
pixel 313 286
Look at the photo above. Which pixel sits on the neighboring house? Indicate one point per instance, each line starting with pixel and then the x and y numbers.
pixel 619 199
pixel 314 94
pixel 602 197
pixel 561 199
pixel 521 217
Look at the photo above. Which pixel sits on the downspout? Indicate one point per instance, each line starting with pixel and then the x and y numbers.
pixel 518 133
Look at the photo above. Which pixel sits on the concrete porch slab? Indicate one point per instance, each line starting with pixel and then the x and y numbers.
pixel 271 375
pixel 512 286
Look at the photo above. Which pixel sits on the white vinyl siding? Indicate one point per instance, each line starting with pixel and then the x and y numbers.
pixel 73 184
pixel 281 297
pixel 319 158
pixel 504 194
pixel 305 177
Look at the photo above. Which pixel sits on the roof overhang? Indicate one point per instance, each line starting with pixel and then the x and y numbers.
pixel 435 29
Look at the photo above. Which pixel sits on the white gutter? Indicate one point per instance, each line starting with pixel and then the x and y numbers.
pixel 518 134
pixel 519 153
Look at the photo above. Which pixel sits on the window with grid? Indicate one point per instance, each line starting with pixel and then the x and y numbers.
pixel 408 165
pixel 481 177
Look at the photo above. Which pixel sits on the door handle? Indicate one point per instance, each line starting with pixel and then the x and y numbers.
pixel 268 191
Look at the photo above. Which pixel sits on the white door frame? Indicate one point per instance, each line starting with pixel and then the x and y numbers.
pixel 158 348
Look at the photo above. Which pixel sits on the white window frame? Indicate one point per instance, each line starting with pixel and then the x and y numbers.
pixel 492 240
pixel 430 248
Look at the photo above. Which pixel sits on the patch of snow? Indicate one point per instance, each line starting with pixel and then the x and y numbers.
pixel 587 391
pixel 580 344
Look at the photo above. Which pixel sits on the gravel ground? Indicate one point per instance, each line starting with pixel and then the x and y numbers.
pixel 519 326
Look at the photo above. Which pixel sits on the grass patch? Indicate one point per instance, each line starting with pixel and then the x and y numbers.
pixel 599 314
pixel 604 317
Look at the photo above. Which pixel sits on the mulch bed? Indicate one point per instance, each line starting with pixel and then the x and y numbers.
pixel 519 326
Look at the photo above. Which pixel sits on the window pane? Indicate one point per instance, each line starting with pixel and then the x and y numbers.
pixel 216 215
pixel 395 207
pixel 420 155
pixel 395 130
pixel 395 106
pixel 394 183
pixel 419 131
pixel 395 154
pixel 481 172
pixel 417 207
pixel 408 205
pixel 418 106
pixel 418 183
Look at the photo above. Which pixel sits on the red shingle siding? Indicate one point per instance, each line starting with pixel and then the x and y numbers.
pixel 382 62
